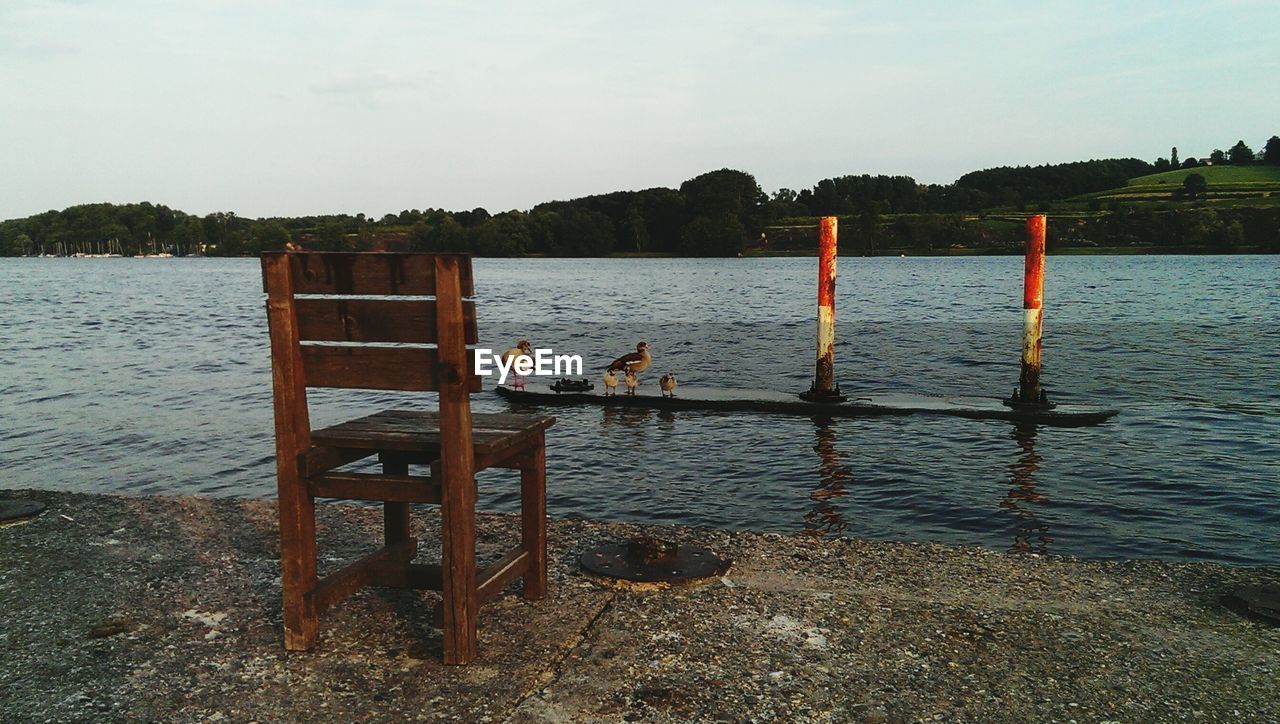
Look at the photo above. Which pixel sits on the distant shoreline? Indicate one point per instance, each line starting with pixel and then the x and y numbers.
pixel 966 252
pixel 802 253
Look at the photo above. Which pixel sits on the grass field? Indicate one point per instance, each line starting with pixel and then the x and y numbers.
pixel 1214 175
pixel 1229 186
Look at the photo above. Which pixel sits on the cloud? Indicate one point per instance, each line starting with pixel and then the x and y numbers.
pixel 369 83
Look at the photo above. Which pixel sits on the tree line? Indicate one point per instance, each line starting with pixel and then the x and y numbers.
pixel 715 214
pixel 1214 230
pixel 718 213
pixel 1123 225
pixel 1238 155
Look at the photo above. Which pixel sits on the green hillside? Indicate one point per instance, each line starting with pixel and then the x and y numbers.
pixel 1214 174
pixel 1254 185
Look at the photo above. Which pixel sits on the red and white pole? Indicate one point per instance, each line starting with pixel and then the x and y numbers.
pixel 1029 391
pixel 824 388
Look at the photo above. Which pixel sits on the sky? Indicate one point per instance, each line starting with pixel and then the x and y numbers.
pixel 269 108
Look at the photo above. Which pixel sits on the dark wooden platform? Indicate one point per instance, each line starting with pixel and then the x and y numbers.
pixel 728 399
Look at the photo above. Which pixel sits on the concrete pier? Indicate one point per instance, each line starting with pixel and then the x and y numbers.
pixel 168 608
pixel 769 401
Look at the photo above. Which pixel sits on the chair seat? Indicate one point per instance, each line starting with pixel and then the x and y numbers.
pixel 417 432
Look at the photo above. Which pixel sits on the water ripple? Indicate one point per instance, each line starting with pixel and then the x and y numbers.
pixel 145 378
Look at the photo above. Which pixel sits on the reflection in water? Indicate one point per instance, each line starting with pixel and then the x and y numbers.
pixel 666 420
pixel 1031 535
pixel 635 419
pixel 825 518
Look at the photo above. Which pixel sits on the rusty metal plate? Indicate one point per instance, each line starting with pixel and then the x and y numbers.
pixel 1016 402
pixel 16 509
pixel 651 560
pixel 827 396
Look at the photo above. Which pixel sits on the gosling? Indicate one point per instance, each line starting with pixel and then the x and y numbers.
pixel 668 384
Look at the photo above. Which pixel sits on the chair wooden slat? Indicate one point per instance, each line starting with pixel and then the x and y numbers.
pixel 352 577
pixel 321 459
pixel 369 486
pixel 370 274
pixel 502 572
pixel 373 368
pixel 375 320
pixel 416 420
pixel 410 431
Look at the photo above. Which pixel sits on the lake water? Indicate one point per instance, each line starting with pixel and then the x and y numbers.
pixel 153 376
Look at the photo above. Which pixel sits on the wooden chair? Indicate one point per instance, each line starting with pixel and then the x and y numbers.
pixel 330 317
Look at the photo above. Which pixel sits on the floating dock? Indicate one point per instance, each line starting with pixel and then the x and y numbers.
pixel 739 400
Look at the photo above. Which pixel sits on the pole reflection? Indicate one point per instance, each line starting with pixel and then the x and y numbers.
pixel 1030 535
pixel 825 517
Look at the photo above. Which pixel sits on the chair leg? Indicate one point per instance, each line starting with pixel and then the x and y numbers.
pixel 458 579
pixel 395 516
pixel 298 570
pixel 533 514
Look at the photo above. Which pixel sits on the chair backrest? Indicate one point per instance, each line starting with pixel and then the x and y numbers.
pixel 382 321
pixel 368 320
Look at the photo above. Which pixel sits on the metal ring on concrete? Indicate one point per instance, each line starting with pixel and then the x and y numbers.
pixel 11 510
pixel 651 560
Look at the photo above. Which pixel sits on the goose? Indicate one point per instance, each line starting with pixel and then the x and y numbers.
pixel 610 383
pixel 637 361
pixel 632 382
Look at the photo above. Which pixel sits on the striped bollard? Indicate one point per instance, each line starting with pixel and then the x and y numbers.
pixel 824 388
pixel 1029 393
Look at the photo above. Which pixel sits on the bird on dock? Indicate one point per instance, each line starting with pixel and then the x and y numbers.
pixel 610 383
pixel 522 349
pixel 637 361
pixel 668 384
pixel 632 382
